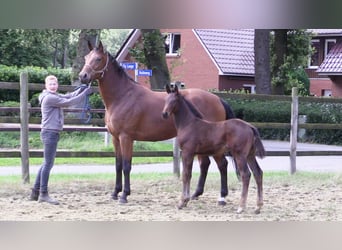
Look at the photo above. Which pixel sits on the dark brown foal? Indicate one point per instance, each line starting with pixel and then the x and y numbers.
pixel 200 137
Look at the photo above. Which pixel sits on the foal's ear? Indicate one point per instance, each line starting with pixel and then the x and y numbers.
pixel 167 88
pixel 175 90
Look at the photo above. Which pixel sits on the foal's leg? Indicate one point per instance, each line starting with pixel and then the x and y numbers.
pixel 186 178
pixel 118 168
pixel 222 163
pixel 258 176
pixel 126 144
pixel 204 162
pixel 245 177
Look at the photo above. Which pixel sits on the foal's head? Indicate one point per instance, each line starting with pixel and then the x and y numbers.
pixel 171 101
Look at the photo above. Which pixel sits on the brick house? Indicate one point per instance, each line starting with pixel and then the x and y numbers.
pixel 325 66
pixel 223 59
pixel 204 58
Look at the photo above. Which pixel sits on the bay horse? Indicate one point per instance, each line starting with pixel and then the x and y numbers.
pixel 133 113
pixel 197 136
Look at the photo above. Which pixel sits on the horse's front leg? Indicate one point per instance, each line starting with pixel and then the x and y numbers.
pixel 186 178
pixel 126 144
pixel 118 168
pixel 204 162
pixel 222 163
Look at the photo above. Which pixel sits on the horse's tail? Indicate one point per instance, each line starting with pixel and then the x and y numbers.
pixel 259 147
pixel 229 112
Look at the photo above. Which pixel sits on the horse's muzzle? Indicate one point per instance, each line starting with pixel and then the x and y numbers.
pixel 84 77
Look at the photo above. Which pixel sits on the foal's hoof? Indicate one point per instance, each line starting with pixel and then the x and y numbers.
pixel 182 204
pixel 240 210
pixel 257 210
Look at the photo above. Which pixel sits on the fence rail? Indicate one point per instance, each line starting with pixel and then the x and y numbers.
pixel 25 123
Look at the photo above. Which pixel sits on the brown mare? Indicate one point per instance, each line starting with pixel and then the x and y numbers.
pixel 197 136
pixel 133 113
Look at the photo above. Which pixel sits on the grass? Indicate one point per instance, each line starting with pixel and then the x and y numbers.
pixel 80 141
pixel 282 177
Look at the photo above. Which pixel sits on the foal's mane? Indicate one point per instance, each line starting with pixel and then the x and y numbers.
pixel 192 108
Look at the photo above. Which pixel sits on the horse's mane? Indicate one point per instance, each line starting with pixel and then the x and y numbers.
pixel 192 108
pixel 121 71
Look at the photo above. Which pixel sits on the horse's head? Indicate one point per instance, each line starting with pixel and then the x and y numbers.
pixel 171 101
pixel 96 63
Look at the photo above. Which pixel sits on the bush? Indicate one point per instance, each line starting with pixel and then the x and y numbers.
pixel 258 110
pixel 35 75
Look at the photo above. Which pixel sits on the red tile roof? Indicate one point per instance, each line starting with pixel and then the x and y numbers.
pixel 332 64
pixel 231 50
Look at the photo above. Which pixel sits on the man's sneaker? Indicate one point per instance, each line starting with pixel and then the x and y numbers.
pixel 44 197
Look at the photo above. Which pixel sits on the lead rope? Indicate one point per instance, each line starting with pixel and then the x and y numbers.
pixel 85 114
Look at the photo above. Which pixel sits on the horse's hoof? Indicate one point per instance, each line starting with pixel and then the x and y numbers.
pixel 123 200
pixel 222 203
pixel 194 197
pixel 114 196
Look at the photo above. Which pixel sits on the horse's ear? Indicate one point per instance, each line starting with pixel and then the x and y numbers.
pixel 167 88
pixel 90 46
pixel 100 46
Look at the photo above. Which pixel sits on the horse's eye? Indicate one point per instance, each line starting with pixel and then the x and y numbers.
pixel 98 60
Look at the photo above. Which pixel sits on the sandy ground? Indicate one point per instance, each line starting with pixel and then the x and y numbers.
pixel 285 200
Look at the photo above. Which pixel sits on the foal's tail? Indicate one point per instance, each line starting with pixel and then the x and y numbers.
pixel 259 147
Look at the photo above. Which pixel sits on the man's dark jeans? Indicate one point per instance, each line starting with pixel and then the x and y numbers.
pixel 50 140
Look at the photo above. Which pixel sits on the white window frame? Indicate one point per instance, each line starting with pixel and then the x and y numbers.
pixel 252 86
pixel 171 38
pixel 326 46
pixel 309 61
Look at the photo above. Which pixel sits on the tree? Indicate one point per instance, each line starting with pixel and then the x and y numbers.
pixel 291 49
pixel 82 49
pixel 262 61
pixel 151 53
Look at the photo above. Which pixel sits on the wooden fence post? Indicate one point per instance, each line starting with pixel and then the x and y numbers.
pixel 24 128
pixel 176 158
pixel 294 130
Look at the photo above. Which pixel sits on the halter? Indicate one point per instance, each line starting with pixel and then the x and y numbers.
pixel 99 71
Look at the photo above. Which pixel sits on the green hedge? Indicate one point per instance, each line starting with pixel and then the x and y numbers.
pixel 35 75
pixel 258 110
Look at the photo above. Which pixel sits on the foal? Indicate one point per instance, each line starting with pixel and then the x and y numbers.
pixel 199 137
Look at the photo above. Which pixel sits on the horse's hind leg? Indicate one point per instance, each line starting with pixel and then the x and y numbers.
pixel 222 166
pixel 258 176
pixel 245 177
pixel 204 162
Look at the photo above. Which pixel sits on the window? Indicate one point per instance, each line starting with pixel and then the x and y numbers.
pixel 172 44
pixel 249 88
pixel 329 43
pixel 314 60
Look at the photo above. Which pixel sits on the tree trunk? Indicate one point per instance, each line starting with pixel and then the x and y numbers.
pixel 262 61
pixel 280 44
pixel 82 50
pixel 154 51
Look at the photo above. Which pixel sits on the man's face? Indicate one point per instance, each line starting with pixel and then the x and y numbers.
pixel 52 86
